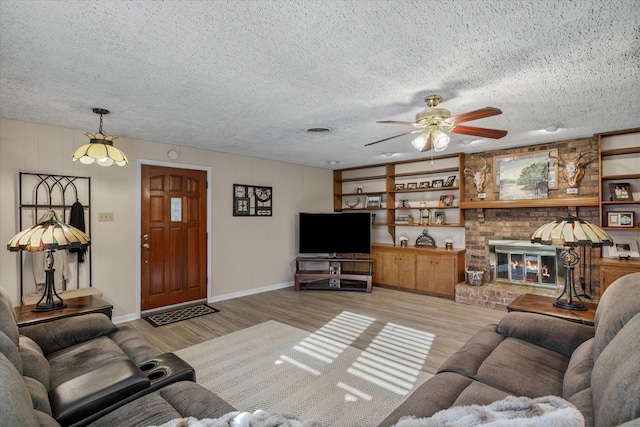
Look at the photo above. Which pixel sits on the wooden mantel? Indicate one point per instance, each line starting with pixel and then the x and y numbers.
pixel 530 203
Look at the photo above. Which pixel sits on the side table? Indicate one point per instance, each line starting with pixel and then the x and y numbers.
pixel 75 307
pixel 532 303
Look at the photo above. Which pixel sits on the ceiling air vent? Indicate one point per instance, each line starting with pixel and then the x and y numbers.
pixel 318 130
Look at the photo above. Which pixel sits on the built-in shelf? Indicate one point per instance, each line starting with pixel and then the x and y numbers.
pixel 425 171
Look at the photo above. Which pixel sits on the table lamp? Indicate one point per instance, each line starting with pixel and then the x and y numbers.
pixel 571 232
pixel 49 235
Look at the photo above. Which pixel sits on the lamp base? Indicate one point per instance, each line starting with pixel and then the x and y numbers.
pixel 49 307
pixel 570 305
pixel 46 302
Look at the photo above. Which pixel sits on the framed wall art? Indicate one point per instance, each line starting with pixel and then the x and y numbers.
pixel 412 186
pixel 524 178
pixel 553 164
pixel 252 200
pixel 425 184
pixel 399 187
pixel 437 183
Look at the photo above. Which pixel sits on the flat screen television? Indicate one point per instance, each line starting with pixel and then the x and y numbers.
pixel 335 232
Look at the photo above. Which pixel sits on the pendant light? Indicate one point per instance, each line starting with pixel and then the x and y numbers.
pixel 100 148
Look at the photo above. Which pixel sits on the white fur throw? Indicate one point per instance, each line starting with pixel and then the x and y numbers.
pixel 241 419
pixel 548 411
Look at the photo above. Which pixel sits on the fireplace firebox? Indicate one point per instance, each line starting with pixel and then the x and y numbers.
pixel 521 262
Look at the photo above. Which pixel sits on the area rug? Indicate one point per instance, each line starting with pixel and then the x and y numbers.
pixel 177 315
pixel 311 376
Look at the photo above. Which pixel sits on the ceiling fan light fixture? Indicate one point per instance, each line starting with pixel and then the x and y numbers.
pixel 440 141
pixel 100 148
pixel 419 142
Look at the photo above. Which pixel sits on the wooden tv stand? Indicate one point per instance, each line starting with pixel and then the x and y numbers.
pixel 333 273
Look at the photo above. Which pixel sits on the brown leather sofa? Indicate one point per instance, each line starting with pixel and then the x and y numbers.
pixel 596 368
pixel 87 371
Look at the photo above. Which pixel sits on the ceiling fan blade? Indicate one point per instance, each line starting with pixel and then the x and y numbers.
pixel 394 122
pixel 391 137
pixel 482 132
pixel 474 115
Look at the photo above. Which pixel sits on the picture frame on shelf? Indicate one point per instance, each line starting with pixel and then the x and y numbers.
pixel 621 192
pixel 622 248
pixel 373 201
pixel 399 187
pixel 450 181
pixel 412 186
pixel 438 218
pixel 425 184
pixel 621 219
pixel 446 200
pixel 437 183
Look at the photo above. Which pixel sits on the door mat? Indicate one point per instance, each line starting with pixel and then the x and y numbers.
pixel 184 313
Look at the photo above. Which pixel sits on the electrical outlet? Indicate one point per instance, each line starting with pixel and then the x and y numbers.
pixel 105 216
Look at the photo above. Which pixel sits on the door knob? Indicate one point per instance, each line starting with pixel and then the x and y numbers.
pixel 145 236
pixel 146 246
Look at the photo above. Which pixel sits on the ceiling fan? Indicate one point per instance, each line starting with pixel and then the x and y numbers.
pixel 433 121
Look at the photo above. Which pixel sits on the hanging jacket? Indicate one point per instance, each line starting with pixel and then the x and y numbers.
pixel 76 219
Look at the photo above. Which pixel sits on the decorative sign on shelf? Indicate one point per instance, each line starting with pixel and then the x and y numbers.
pixel 251 200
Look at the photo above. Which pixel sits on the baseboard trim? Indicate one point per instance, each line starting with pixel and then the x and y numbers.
pixel 250 292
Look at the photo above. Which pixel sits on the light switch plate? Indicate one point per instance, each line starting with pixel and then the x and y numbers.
pixel 105 216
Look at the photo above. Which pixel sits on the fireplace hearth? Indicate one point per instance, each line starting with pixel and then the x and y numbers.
pixel 520 262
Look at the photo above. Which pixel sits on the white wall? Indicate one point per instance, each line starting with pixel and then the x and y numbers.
pixel 246 253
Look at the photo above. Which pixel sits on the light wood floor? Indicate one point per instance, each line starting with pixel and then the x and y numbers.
pixel 452 323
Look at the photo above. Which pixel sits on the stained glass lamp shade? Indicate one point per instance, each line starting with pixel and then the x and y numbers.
pixel 100 148
pixel 571 232
pixel 49 235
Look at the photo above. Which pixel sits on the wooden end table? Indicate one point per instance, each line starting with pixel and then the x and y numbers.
pixel 75 307
pixel 532 303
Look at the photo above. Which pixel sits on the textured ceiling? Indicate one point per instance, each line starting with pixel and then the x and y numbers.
pixel 249 77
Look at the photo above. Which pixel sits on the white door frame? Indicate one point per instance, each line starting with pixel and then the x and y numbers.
pixel 138 237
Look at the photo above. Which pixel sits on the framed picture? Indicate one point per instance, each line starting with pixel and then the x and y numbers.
pixel 373 201
pixel 438 218
pixel 553 165
pixel 450 181
pixel 524 178
pixel 446 200
pixel 399 187
pixel 621 191
pixel 252 200
pixel 425 184
pixel 621 219
pixel 622 249
pixel 412 186
pixel 437 183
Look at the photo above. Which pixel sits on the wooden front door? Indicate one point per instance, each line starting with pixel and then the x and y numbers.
pixel 174 236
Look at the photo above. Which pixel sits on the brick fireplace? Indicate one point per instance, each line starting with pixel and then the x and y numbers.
pixel 484 226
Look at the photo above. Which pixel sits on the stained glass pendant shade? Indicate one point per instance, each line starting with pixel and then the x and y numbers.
pixel 100 148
